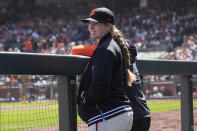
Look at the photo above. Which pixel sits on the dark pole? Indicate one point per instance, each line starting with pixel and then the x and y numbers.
pixel 67 104
pixel 187 120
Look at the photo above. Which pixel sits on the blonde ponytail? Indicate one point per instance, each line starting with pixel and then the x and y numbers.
pixel 118 37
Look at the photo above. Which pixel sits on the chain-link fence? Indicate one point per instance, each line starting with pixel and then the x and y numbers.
pixel 28 102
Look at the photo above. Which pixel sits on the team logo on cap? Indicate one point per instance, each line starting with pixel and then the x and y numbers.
pixel 93 12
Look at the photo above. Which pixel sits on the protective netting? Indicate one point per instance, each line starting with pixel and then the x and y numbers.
pixel 28 103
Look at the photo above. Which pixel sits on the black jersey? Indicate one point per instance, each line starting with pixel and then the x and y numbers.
pixel 101 92
pixel 135 92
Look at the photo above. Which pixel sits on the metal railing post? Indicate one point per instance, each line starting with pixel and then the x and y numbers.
pixel 67 104
pixel 187 122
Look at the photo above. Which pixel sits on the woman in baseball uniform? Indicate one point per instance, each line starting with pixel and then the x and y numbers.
pixel 102 100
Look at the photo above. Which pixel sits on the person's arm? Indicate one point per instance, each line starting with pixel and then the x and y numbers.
pixel 86 50
pixel 101 77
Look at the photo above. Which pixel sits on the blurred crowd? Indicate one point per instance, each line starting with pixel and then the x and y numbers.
pixel 48 29
pixel 188 50
pixel 57 28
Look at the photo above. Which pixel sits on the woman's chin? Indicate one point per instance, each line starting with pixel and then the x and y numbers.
pixel 93 38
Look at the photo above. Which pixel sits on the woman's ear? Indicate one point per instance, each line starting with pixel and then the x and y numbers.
pixel 109 27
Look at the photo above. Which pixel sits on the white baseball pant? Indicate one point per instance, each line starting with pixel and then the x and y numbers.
pixel 122 122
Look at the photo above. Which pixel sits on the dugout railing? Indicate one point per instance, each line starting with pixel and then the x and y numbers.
pixel 68 66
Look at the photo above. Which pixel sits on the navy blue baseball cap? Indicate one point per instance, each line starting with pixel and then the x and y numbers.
pixel 102 15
